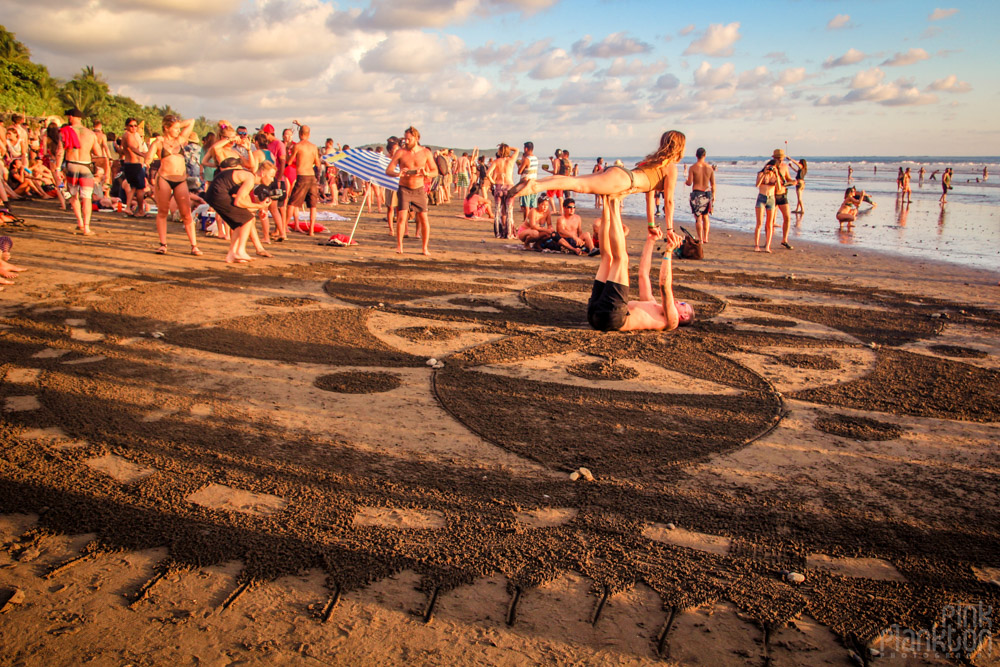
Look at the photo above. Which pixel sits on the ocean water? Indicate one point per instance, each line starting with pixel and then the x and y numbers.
pixel 965 231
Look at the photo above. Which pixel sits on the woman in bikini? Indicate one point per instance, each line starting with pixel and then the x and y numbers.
pixel 652 174
pixel 766 182
pixel 171 179
pixel 848 210
pixel 800 182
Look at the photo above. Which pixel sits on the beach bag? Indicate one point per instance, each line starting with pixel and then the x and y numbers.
pixel 691 248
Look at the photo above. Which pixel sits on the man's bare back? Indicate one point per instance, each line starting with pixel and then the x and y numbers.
pixel 701 176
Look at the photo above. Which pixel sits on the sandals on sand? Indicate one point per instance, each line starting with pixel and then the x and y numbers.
pixel 162 250
pixel 196 251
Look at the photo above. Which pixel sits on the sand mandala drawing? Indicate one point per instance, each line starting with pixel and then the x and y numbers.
pixel 172 449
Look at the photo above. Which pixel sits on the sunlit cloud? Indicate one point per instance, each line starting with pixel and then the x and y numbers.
pixel 907 58
pixel 852 57
pixel 939 14
pixel 839 21
pixel 613 46
pixel 950 84
pixel 718 40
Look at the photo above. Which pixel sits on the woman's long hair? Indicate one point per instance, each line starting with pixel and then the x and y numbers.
pixel 671 149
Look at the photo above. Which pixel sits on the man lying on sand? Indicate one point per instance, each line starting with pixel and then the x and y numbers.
pixel 609 308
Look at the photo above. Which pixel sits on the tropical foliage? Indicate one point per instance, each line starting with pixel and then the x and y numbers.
pixel 29 89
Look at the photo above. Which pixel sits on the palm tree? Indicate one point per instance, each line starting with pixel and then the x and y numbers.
pixel 12 50
pixel 79 97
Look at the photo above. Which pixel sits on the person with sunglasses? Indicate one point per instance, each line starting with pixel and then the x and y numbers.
pixel 569 226
pixel 134 168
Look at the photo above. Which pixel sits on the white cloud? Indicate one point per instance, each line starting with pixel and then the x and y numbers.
pixel 908 58
pixel 939 14
pixel 718 40
pixel 716 94
pixel 686 30
pixel 557 63
pixel 754 78
pixel 867 78
pixel 706 75
pixel 185 7
pixel 839 21
pixel 412 52
pixel 852 57
pixel 950 84
pixel 614 45
pixel 791 75
pixel 491 54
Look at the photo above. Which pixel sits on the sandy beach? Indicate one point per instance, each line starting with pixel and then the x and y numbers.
pixel 260 465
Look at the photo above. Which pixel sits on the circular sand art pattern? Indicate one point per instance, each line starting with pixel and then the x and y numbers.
pixel 958 351
pixel 177 410
pixel 358 382
pixel 814 361
pixel 769 322
pixel 421 334
pixel 603 370
pixel 287 301
pixel 858 428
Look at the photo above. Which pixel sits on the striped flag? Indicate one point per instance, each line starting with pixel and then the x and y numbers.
pixel 364 164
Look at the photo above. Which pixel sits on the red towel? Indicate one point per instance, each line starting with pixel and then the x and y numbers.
pixel 69 137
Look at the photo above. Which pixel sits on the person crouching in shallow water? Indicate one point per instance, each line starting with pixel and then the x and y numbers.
pixel 229 196
pixel 609 308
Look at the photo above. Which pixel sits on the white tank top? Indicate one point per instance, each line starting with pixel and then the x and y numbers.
pixel 532 171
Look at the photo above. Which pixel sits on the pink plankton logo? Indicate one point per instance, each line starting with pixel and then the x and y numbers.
pixel 964 632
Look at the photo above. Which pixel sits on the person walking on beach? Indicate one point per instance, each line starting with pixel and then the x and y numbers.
pixel 905 190
pixel 781 193
pixel 701 178
pixel 850 173
pixel 77 150
pixel 598 168
pixel 414 165
pixel 945 185
pixel 305 156
pixel 609 307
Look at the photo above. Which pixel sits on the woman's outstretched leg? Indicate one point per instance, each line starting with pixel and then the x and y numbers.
pixel 607 182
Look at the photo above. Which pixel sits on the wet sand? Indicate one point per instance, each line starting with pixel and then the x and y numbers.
pixel 261 465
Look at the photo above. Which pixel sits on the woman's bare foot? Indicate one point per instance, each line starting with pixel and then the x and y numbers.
pixel 264 253
pixel 4 281
pixel 196 251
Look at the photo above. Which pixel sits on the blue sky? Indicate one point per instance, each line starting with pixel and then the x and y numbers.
pixel 599 77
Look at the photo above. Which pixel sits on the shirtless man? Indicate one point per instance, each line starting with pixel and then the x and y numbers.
pixel 781 194
pixel 134 169
pixel 906 191
pixel 305 156
pixel 609 308
pixel 414 165
pixel 104 162
pixel 79 178
pixel 499 180
pixel 538 224
pixel 463 172
pixel 570 228
pixel 701 178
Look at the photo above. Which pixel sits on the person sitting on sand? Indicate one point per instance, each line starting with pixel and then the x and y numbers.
pixel 538 223
pixel 656 172
pixel 609 308
pixel 8 271
pixel 477 207
pixel 229 195
pixel 569 226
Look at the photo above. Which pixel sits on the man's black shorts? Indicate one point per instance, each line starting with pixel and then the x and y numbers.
pixel 607 309
pixel 135 174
